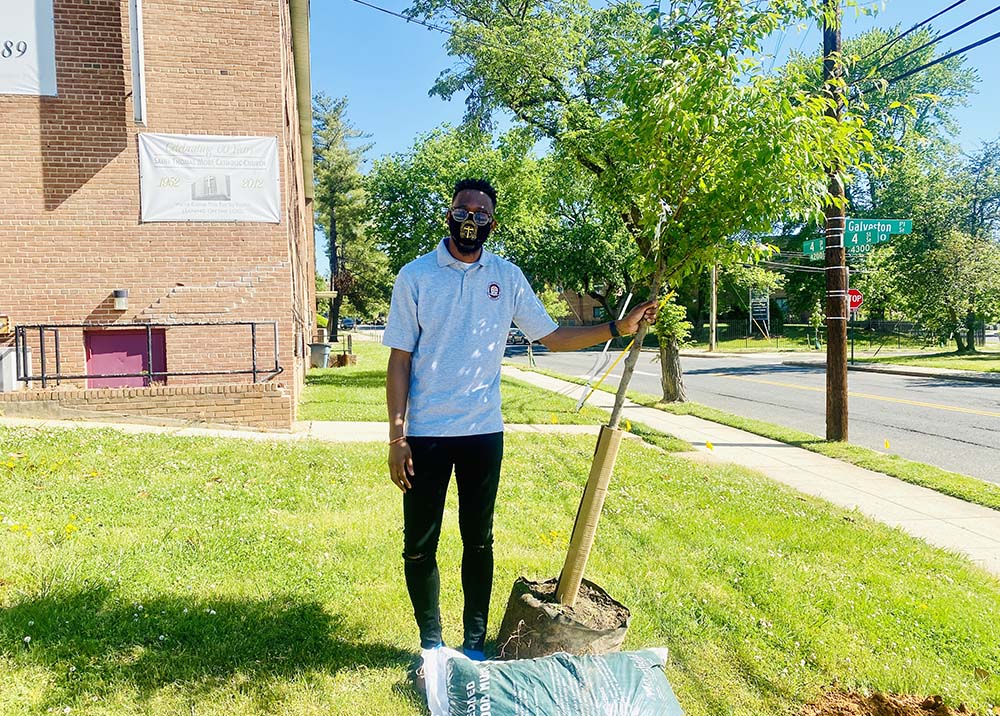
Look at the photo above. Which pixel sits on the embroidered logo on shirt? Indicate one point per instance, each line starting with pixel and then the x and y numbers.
pixel 494 291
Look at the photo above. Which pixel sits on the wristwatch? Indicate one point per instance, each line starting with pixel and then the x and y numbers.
pixel 614 329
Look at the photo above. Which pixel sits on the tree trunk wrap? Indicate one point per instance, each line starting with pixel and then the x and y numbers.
pixel 589 514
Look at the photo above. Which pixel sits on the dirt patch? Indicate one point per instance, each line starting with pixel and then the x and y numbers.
pixel 841 704
pixel 536 624
pixel 593 608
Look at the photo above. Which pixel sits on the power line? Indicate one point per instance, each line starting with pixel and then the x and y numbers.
pixel 451 33
pixel 926 65
pixel 777 49
pixel 401 16
pixel 802 44
pixel 897 38
pixel 938 39
pixel 792 267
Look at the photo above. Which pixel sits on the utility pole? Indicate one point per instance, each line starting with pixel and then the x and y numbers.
pixel 713 310
pixel 836 268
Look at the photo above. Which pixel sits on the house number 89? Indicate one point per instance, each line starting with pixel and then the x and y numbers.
pixel 13 49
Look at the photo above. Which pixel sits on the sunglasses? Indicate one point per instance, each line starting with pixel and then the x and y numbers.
pixel 480 218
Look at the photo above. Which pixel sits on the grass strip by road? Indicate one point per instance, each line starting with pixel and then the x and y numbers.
pixel 957 485
pixel 161 575
pixel 357 393
pixel 798 337
pixel 984 361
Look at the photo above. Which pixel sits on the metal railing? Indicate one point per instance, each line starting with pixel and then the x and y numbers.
pixel 259 372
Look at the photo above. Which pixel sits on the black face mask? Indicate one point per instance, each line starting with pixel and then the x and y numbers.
pixel 467 237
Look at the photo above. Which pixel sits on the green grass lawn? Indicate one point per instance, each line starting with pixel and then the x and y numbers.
pixel 358 393
pixel 164 575
pixel 985 361
pixel 964 487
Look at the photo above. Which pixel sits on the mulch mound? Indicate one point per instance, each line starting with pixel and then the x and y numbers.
pixel 841 704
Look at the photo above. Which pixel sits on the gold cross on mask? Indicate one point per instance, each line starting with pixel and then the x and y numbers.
pixel 468 231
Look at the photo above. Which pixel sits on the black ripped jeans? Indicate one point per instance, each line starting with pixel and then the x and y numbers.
pixel 476 461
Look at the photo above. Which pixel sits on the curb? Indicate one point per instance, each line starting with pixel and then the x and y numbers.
pixel 706 354
pixel 897 370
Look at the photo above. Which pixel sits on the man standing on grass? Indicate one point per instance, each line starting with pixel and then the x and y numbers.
pixel 447 328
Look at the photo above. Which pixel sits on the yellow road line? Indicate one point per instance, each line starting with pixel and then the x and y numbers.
pixel 869 396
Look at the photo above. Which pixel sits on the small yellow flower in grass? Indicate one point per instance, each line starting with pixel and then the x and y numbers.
pixel 554 419
pixel 10 463
pixel 922 606
pixel 709 445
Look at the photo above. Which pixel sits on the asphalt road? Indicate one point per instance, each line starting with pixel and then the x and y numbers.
pixel 952 424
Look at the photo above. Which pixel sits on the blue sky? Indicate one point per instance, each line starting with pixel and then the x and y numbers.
pixel 385 66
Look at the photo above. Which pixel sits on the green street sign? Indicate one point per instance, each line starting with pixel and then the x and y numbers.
pixel 861 235
pixel 865 233
pixel 814 246
pixel 863 240
pixel 879 226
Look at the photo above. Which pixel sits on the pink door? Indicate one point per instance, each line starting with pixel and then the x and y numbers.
pixel 123 351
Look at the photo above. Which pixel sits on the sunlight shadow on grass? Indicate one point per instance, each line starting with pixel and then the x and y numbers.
pixel 175 641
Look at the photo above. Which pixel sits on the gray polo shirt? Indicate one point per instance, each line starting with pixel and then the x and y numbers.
pixel 454 318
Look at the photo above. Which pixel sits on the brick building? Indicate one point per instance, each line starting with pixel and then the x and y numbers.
pixel 584 310
pixel 70 228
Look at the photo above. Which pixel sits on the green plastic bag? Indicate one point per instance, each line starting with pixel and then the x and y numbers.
pixel 619 684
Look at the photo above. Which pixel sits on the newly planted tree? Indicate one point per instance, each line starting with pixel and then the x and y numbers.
pixel 688 139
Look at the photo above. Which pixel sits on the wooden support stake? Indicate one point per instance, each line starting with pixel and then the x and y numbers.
pixel 588 515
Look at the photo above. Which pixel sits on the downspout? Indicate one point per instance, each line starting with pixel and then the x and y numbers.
pixel 299 11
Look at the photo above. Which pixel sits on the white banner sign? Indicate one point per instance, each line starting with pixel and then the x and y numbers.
pixel 27 47
pixel 205 178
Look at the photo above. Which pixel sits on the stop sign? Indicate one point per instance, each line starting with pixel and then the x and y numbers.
pixel 855 297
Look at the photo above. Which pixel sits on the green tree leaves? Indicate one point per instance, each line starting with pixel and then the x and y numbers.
pixel 359 271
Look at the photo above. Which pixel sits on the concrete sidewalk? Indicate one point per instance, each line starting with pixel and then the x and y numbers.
pixel 322 430
pixel 344 432
pixel 941 520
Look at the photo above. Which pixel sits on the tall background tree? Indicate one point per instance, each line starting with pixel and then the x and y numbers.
pixel 943 274
pixel 584 246
pixel 915 170
pixel 409 192
pixel 359 273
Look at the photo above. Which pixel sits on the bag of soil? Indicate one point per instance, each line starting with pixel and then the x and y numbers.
pixel 619 684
